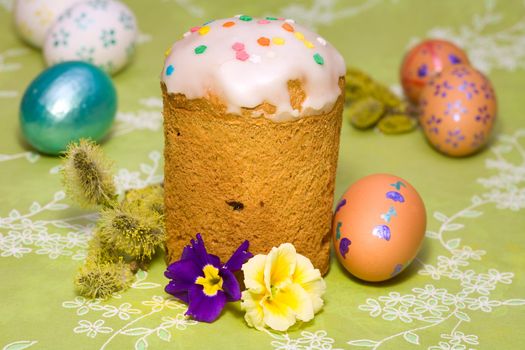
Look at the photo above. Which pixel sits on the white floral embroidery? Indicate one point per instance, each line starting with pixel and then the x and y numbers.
pixel 92 329
pixel 308 340
pixel 325 12
pixel 158 303
pixel 19 345
pixel 31 157
pixel 126 180
pixel 82 305
pixel 123 311
pixel 460 337
pixel 488 45
pixel 436 305
pixel 30 232
pixel 190 7
pixel 142 119
pixel 9 67
pixel 180 322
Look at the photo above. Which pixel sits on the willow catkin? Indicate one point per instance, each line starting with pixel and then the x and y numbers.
pixel 133 230
pixel 87 175
pixel 97 279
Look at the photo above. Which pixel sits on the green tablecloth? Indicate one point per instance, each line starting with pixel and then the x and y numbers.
pixel 465 290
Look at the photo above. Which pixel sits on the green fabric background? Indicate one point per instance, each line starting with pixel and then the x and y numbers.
pixel 36 291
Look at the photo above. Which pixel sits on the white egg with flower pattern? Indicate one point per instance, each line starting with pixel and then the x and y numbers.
pixel 33 18
pixel 101 32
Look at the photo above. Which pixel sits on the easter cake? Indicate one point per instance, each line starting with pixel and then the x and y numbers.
pixel 252 117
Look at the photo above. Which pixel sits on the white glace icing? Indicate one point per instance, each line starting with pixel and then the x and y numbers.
pixel 246 61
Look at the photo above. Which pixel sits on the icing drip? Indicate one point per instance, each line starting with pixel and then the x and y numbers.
pixel 247 61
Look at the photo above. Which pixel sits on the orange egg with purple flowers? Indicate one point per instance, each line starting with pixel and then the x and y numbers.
pixel 378 227
pixel 458 110
pixel 424 61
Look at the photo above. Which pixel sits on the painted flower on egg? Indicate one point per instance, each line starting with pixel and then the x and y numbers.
pixel 281 288
pixel 203 282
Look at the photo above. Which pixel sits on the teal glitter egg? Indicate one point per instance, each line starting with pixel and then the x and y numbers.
pixel 66 102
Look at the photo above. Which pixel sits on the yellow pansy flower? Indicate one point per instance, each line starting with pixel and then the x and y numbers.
pixel 281 288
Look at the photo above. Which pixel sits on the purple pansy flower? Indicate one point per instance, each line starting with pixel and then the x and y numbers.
pixel 203 282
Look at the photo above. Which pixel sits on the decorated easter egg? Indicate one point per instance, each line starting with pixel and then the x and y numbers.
pixel 66 102
pixel 424 61
pixel 458 109
pixel 101 32
pixel 378 227
pixel 33 18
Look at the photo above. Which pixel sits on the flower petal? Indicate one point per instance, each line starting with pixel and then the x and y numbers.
pixel 183 272
pixel 238 258
pixel 277 314
pixel 230 286
pixel 196 251
pixel 309 278
pixel 298 300
pixel 251 302
pixel 178 291
pixel 214 260
pixel 287 304
pixel 254 273
pixel 204 308
pixel 280 266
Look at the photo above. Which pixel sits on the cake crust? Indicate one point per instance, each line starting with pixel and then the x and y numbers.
pixel 242 177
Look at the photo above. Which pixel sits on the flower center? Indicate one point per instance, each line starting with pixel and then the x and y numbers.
pixel 211 282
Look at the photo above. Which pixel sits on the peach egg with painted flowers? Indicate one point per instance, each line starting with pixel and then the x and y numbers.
pixel 424 61
pixel 458 110
pixel 378 227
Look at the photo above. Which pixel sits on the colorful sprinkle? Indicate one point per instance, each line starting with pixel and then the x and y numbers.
pixel 238 46
pixel 204 30
pixel 263 41
pixel 169 70
pixel 263 21
pixel 200 49
pixel 245 18
pixel 318 59
pixel 321 41
pixel 288 27
pixel 228 24
pixel 167 52
pixel 278 41
pixel 271 18
pixel 299 35
pixel 308 44
pixel 194 29
pixel 344 245
pixel 242 55
pixel 210 21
